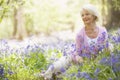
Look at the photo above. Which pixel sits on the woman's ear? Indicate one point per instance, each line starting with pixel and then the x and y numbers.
pixel 95 17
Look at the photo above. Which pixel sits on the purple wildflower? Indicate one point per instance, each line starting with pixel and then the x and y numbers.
pixel 64 53
pixel 118 39
pixel 1 71
pixel 52 67
pixel 110 79
pixel 97 71
pixel 10 72
pixel 103 60
pixel 73 74
pixel 86 75
pixel 78 74
pixel 62 69
pixel 28 47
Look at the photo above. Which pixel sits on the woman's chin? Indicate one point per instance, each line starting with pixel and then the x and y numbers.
pixel 86 23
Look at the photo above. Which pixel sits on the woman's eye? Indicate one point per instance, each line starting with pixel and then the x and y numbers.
pixel 87 14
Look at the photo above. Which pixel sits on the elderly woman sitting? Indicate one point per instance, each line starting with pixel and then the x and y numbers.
pixel 89 40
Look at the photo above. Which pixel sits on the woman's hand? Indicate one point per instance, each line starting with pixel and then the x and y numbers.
pixel 79 59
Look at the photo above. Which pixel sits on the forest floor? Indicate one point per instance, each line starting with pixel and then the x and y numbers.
pixel 41 38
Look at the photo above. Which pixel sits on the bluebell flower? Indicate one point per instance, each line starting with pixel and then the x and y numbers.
pixel 78 74
pixel 6 79
pixel 73 45
pixel 118 39
pixel 86 75
pixel 62 69
pixel 10 72
pixel 3 41
pixel 103 60
pixel 28 47
pixel 97 71
pixel 107 44
pixel 73 74
pixel 116 67
pixel 114 38
pixel 1 72
pixel 110 79
pixel 64 53
pixel 100 48
pixel 114 60
pixel 52 67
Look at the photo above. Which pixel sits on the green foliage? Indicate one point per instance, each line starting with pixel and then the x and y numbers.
pixel 116 4
pixel 90 66
pixel 17 67
pixel 105 66
pixel 7 7
pixel 35 61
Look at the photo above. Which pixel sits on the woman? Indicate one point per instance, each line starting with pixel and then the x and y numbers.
pixel 89 40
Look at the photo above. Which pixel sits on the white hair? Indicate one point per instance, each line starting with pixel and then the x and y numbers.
pixel 92 9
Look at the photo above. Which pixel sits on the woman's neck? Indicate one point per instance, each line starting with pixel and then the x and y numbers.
pixel 91 26
pixel 91 30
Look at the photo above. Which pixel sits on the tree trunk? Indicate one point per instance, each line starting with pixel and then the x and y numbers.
pixel 19 25
pixel 113 20
pixel 15 23
pixel 103 12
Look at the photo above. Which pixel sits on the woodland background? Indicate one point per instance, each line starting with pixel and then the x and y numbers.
pixel 23 18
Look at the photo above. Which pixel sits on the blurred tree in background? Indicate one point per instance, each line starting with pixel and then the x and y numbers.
pixel 21 18
pixel 110 11
pixel 19 30
pixel 12 10
pixel 113 17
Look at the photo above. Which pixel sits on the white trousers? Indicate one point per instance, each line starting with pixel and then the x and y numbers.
pixel 58 66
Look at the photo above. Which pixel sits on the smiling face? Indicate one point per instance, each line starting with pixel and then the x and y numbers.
pixel 87 17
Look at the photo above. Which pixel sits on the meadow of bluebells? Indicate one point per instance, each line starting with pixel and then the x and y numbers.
pixel 24 62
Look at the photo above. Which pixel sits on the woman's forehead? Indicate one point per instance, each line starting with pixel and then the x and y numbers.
pixel 84 11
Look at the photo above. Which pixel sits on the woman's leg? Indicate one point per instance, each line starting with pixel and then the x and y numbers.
pixel 59 66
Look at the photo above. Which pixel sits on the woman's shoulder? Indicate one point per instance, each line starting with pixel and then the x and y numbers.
pixel 102 29
pixel 81 30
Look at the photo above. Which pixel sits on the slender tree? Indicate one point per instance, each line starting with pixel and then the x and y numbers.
pixel 19 24
pixel 113 17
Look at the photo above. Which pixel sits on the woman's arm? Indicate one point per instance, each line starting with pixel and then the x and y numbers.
pixel 79 42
